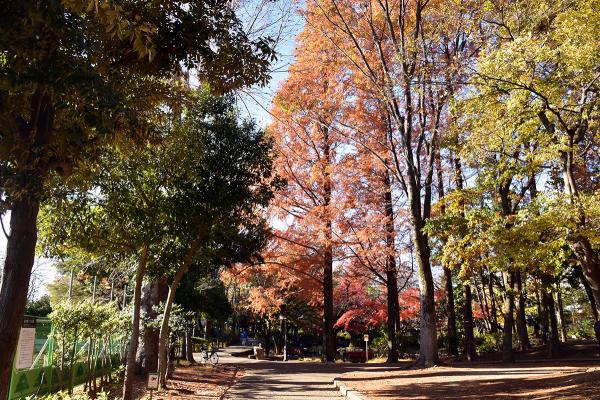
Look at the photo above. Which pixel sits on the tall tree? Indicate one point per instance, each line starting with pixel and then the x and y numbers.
pixel 369 233
pixel 305 112
pixel 219 179
pixel 394 47
pixel 543 58
pixel 450 312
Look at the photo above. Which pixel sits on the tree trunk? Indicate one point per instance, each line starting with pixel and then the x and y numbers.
pixel 393 308
pixel 20 251
pixel 135 325
pixel 267 335
pixel 590 295
pixel 451 314
pixel 170 362
pixel 147 355
pixel 521 321
pixel 562 321
pixel 329 347
pixel 329 340
pixel 537 322
pixel 480 301
pixel 590 265
pixel 189 353
pixel 163 342
pixel 183 348
pixel 548 301
pixel 470 351
pixel 428 352
pixel 493 312
pixel 486 306
pixel 507 310
pixel 34 136
pixel 543 317
pixel 590 262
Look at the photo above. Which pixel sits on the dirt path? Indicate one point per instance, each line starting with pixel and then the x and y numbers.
pixel 195 382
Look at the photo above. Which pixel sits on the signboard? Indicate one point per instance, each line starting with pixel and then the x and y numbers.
pixel 26 346
pixel 366 338
pixel 152 381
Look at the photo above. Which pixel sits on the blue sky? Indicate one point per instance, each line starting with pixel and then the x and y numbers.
pixel 280 20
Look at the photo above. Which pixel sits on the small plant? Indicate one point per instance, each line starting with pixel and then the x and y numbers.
pixel 583 329
pixel 380 345
pixel 488 342
pixel 64 395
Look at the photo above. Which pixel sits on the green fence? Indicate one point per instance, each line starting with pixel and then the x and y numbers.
pixel 92 359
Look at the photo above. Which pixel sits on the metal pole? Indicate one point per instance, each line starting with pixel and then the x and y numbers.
pixel 366 351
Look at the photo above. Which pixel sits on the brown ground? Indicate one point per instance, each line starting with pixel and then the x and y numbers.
pixel 482 381
pixel 198 382
pixel 193 382
pixel 533 376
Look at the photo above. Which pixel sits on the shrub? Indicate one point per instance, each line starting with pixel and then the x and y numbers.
pixel 488 342
pixel 583 329
pixel 198 343
pixel 379 345
pixel 64 395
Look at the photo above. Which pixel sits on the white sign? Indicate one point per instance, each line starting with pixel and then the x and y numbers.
pixel 152 381
pixel 366 338
pixel 25 348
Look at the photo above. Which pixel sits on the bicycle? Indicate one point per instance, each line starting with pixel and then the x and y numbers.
pixel 211 357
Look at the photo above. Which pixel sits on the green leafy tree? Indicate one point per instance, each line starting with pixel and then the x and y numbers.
pixel 541 64
pixel 219 182
pixel 192 200
pixel 40 307
pixel 116 211
pixel 77 74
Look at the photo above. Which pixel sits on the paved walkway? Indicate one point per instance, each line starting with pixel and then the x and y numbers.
pixel 287 380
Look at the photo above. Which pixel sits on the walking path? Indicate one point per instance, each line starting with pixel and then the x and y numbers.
pixel 287 380
pixel 532 377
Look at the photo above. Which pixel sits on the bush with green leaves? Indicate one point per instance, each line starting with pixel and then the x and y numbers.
pixel 178 322
pixel 488 342
pixel 379 344
pixel 86 330
pixel 39 308
pixel 64 395
pixel 582 329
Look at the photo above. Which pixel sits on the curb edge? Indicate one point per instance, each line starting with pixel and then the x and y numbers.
pixel 345 391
